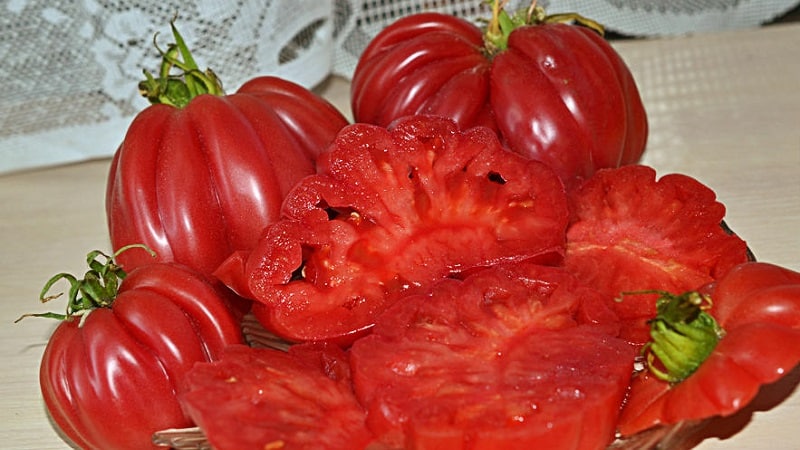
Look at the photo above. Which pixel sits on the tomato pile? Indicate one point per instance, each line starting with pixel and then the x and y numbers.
pixel 479 261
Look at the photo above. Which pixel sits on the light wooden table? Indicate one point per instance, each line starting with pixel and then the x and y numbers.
pixel 724 108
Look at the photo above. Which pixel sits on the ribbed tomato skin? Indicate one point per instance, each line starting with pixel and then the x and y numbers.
pixel 110 379
pixel 197 183
pixel 559 93
pixel 758 306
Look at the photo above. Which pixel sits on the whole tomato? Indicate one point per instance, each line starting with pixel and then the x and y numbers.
pixel 712 350
pixel 553 91
pixel 200 173
pixel 112 370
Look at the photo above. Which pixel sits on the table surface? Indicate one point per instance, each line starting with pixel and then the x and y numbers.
pixel 723 107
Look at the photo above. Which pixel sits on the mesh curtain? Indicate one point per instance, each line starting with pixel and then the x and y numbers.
pixel 70 68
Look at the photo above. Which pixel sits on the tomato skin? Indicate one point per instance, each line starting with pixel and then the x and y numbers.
pixel 559 93
pixel 110 379
pixel 758 306
pixel 197 183
pixel 312 120
pixel 432 74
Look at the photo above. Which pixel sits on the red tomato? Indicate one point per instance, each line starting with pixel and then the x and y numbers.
pixel 269 399
pixel 558 93
pixel 758 306
pixel 197 182
pixel 390 212
pixel 110 377
pixel 631 232
pixel 496 361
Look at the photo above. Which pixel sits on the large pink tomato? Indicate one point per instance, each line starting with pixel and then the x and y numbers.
pixel 198 178
pixel 113 369
pixel 553 91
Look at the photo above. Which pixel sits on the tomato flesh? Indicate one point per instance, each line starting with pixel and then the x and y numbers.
pixel 498 360
pixel 265 398
pixel 631 233
pixel 390 212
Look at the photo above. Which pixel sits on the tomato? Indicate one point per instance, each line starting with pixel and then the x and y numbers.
pixel 269 399
pixel 198 180
pixel 498 360
pixel 631 231
pixel 757 306
pixel 554 92
pixel 111 371
pixel 390 212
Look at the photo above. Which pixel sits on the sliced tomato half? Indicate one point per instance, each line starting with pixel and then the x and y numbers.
pixel 269 399
pixel 632 233
pixel 498 360
pixel 390 212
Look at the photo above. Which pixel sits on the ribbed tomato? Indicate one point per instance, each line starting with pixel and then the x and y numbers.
pixel 754 311
pixel 198 179
pixel 112 370
pixel 554 92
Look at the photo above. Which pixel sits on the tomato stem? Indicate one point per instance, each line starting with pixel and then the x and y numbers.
pixel 180 88
pixel 574 19
pixel 502 24
pixel 683 334
pixel 97 289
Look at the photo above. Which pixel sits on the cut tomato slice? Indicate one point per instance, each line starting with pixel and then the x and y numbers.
pixel 631 233
pixel 268 399
pixel 390 212
pixel 499 360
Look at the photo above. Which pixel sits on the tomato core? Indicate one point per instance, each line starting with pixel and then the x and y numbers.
pixel 683 334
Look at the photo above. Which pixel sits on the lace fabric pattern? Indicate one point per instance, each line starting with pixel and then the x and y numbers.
pixel 70 68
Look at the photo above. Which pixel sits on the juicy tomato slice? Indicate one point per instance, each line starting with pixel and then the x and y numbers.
pixel 498 360
pixel 631 232
pixel 390 212
pixel 269 399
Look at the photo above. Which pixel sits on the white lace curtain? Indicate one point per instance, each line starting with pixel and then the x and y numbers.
pixel 70 68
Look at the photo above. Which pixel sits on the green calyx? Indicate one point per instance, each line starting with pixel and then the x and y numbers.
pixel 178 89
pixel 683 334
pixel 502 23
pixel 97 289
